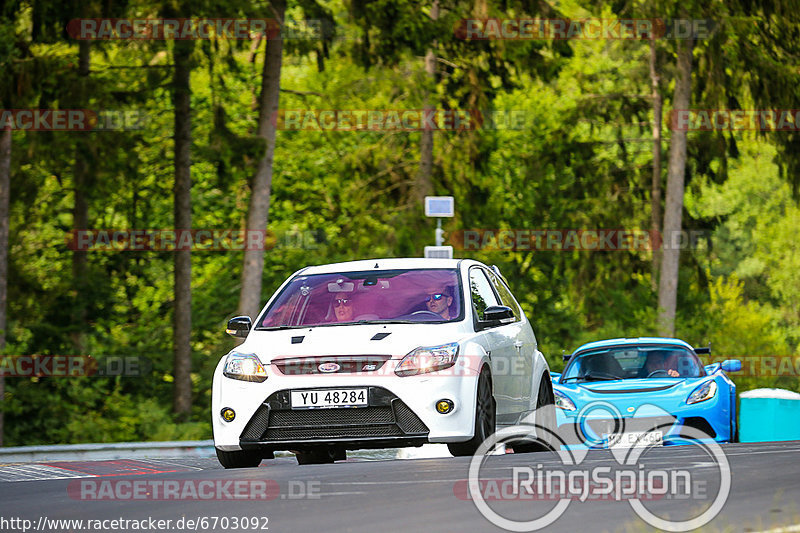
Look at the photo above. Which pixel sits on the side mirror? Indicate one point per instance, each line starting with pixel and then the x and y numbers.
pixel 566 357
pixel 497 313
pixel 732 365
pixel 494 315
pixel 239 326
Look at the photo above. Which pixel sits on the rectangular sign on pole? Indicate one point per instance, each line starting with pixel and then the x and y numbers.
pixel 439 206
pixel 438 252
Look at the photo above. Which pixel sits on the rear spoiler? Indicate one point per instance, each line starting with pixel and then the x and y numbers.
pixel 705 350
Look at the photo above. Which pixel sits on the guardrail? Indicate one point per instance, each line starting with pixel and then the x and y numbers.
pixel 111 450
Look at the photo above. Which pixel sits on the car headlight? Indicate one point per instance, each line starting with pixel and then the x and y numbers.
pixel 244 366
pixel 428 359
pixel 562 402
pixel 704 392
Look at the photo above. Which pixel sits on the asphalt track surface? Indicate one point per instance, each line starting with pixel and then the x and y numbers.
pixel 388 495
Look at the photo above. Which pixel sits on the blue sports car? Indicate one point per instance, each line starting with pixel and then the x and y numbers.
pixel 624 392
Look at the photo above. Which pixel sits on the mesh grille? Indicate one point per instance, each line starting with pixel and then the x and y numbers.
pixel 332 417
pixel 407 420
pixel 257 425
pixel 333 432
pixel 627 425
pixel 397 420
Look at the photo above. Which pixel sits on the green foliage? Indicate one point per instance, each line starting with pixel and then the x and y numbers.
pixel 581 161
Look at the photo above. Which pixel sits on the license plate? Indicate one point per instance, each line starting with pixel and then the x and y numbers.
pixel 306 399
pixel 637 438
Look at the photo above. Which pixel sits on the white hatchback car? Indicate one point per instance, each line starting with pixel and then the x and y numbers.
pixel 378 353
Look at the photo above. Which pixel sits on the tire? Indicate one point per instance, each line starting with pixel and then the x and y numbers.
pixel 485 413
pixel 545 404
pixel 320 455
pixel 239 459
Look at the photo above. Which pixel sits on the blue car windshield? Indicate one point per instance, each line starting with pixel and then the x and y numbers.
pixel 375 296
pixel 633 362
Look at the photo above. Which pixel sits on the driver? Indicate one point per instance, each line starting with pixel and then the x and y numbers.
pixel 439 301
pixel 661 361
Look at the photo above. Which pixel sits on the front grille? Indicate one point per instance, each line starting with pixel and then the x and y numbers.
pixel 350 364
pixel 351 416
pixel 387 416
pixel 601 426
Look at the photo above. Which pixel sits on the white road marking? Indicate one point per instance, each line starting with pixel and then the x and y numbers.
pixel 795 528
pixel 35 472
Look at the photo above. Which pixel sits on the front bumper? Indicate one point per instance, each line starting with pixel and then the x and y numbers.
pixel 711 418
pixel 401 412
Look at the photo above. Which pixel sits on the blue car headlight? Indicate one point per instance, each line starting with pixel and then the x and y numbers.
pixel 704 392
pixel 562 402
pixel 244 367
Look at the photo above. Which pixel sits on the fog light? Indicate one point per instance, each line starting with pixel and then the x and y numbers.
pixel 444 406
pixel 227 414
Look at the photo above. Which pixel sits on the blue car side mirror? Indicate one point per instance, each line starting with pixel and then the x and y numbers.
pixel 731 365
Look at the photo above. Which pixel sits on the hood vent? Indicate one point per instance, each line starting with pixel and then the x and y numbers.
pixel 625 391
pixel 379 336
pixel 298 340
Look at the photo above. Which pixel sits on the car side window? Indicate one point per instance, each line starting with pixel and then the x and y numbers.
pixel 481 291
pixel 505 295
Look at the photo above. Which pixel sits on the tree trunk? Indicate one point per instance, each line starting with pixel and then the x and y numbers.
pixel 182 319
pixel 258 212
pixel 655 190
pixel 425 175
pixel 80 212
pixel 5 184
pixel 673 208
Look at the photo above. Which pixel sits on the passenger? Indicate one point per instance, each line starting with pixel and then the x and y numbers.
pixel 344 308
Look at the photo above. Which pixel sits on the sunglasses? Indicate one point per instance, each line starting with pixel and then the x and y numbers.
pixel 434 297
pixel 341 302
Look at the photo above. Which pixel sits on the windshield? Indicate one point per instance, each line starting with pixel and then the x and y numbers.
pixel 432 295
pixel 633 362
